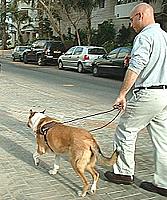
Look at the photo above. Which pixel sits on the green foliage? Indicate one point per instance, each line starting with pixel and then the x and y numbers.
pixel 45 29
pixel 104 35
pixel 125 36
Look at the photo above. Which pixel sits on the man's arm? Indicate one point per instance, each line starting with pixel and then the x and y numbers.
pixel 128 82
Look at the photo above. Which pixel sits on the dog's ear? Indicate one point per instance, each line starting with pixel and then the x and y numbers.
pixel 43 111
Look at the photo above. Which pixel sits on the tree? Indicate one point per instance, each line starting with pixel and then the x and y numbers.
pixel 53 11
pixel 3 24
pixel 87 7
pixel 125 36
pixel 74 15
pixel 105 32
pixel 63 10
pixel 18 17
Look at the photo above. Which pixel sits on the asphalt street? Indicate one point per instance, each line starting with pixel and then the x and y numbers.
pixel 22 90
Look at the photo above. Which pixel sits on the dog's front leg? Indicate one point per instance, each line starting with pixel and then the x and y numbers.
pixel 56 165
pixel 36 157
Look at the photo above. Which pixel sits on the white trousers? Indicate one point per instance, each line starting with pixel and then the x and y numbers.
pixel 146 108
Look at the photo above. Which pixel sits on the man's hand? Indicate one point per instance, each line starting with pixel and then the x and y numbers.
pixel 129 80
pixel 120 103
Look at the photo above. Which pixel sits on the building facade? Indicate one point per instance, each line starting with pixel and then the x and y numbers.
pixel 118 11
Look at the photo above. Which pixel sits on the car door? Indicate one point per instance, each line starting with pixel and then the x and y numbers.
pixel 109 60
pixel 123 52
pixel 16 52
pixel 118 62
pixel 66 58
pixel 75 57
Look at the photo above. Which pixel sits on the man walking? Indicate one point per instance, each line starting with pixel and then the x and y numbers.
pixel 147 107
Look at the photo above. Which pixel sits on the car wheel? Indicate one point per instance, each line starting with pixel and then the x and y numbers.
pixel 96 71
pixel 60 65
pixel 25 59
pixel 40 61
pixel 20 58
pixel 80 68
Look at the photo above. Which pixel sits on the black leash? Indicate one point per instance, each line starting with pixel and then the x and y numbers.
pixel 99 113
pixel 95 129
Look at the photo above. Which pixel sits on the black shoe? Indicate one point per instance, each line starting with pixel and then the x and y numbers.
pixel 118 178
pixel 152 188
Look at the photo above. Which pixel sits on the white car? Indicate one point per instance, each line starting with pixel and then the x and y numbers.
pixel 18 51
pixel 80 57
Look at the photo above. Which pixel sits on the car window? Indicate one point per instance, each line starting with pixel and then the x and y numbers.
pixel 96 51
pixel 39 44
pixel 22 48
pixel 70 51
pixel 123 52
pixel 113 53
pixel 57 45
pixel 78 51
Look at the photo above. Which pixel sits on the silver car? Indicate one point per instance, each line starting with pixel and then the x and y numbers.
pixel 17 53
pixel 80 57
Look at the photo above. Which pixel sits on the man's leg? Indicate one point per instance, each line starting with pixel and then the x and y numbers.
pixel 158 131
pixel 141 108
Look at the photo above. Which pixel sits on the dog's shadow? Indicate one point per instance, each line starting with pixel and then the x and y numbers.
pixel 22 154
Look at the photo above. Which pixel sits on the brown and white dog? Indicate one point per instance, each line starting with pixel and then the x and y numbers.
pixel 77 143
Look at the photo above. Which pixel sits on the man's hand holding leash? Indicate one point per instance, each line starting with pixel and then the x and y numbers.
pixel 120 103
pixel 129 80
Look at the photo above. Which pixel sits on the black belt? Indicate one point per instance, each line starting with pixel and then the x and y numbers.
pixel 153 87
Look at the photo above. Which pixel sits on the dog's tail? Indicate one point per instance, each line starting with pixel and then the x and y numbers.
pixel 109 161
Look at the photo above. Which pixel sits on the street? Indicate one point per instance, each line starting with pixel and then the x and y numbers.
pixel 66 95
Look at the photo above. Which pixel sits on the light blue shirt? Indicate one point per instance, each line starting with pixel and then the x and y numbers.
pixel 149 56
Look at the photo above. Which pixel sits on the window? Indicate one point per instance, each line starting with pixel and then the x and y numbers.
pixel 70 51
pixel 113 53
pixel 123 52
pixel 78 51
pixel 96 51
pixel 125 1
pixel 101 3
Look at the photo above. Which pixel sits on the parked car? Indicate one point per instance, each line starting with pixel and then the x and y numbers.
pixel 80 57
pixel 18 51
pixel 115 63
pixel 43 52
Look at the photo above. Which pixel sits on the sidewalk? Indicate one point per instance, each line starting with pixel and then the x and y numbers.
pixel 21 180
pixel 5 53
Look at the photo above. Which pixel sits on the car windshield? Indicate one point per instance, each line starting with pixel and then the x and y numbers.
pixel 96 51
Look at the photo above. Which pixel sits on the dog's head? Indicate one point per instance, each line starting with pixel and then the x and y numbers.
pixel 34 118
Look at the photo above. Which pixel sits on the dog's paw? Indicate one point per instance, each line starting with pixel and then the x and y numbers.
pixel 93 188
pixel 81 194
pixel 53 172
pixel 36 162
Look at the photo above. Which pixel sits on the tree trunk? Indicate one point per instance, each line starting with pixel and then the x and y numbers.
pixel 89 29
pixel 78 37
pixel 4 26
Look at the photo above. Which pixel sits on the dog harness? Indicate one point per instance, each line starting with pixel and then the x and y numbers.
pixel 44 131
